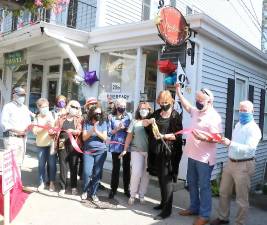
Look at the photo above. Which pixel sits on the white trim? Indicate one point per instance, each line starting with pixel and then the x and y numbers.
pixel 138 75
pixel 29 77
pixel 60 78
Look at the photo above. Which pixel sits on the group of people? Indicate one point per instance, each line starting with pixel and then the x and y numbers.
pixel 150 143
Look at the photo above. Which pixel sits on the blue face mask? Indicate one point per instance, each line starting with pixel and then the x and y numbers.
pixel 245 117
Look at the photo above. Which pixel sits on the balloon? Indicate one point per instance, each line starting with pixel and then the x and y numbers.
pixel 90 77
pixel 168 80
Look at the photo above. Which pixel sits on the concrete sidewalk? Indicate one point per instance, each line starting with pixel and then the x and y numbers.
pixel 47 208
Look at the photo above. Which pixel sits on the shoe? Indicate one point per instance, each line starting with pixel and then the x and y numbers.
pixel 158 207
pixel 187 212
pixel 111 194
pixel 84 196
pixel 94 198
pixel 142 200
pixel 201 221
pixel 41 187
pixel 101 187
pixel 219 221
pixel 127 193
pixel 62 192
pixel 52 187
pixel 74 191
pixel 161 216
pixel 131 201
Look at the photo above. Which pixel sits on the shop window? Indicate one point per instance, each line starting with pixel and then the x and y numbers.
pixel 54 69
pixel 19 77
pixel 117 76
pixel 241 90
pixel 69 88
pixel 36 86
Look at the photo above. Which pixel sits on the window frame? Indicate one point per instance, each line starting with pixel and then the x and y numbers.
pixel 264 134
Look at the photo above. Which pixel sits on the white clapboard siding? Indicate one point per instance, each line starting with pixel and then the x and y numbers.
pixel 123 11
pixel 216 69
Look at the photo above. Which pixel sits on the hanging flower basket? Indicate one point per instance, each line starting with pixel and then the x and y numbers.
pixel 166 66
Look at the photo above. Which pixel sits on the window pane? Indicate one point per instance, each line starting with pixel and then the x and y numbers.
pixel 240 92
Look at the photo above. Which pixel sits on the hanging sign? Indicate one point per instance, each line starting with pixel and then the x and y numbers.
pixel 15 59
pixel 172 26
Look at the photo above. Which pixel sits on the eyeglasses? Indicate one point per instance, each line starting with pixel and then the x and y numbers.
pixel 204 91
pixel 74 107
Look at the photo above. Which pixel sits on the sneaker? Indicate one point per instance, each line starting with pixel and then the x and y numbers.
pixel 52 187
pixel 142 200
pixel 131 201
pixel 94 198
pixel 74 191
pixel 41 187
pixel 84 196
pixel 62 192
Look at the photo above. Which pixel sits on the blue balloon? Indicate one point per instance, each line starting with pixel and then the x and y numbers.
pixel 174 78
pixel 168 80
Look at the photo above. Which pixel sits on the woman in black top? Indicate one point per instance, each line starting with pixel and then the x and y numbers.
pixel 164 158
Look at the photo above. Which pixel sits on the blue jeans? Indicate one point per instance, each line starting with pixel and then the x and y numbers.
pixel 198 178
pixel 46 159
pixel 92 170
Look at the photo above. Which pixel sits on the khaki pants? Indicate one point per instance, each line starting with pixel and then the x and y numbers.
pixel 236 174
pixel 18 145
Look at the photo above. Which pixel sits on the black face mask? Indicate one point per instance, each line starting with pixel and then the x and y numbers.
pixel 199 105
pixel 165 107
pixel 97 117
pixel 121 110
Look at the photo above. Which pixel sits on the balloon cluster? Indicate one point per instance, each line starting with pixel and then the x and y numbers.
pixel 89 78
pixel 171 78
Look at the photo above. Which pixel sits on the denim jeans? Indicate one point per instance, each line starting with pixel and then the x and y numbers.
pixel 92 170
pixel 46 159
pixel 198 177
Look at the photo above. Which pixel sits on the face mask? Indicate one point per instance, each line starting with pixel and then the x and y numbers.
pixel 143 112
pixel 245 117
pixel 165 107
pixel 73 111
pixel 61 104
pixel 20 99
pixel 97 117
pixel 44 110
pixel 200 106
pixel 121 110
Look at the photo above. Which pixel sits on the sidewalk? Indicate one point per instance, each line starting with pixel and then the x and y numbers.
pixel 47 208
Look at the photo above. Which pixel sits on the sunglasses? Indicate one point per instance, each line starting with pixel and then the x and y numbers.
pixel 74 107
pixel 204 92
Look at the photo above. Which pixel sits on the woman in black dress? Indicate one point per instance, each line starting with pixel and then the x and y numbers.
pixel 165 150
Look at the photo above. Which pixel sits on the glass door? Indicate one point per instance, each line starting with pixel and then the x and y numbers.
pixel 52 87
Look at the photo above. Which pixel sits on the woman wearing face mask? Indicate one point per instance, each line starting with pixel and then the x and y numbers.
pixel 60 107
pixel 117 130
pixel 163 161
pixel 137 143
pixel 95 151
pixel 43 142
pixel 66 153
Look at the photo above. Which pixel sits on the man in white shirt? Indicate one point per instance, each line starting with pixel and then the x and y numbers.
pixel 240 166
pixel 15 119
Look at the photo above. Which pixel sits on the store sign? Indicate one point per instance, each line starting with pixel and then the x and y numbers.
pixel 15 59
pixel 115 87
pixel 7 172
pixel 172 26
pixel 114 96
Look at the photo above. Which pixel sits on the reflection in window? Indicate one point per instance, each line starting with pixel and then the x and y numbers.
pixel 19 77
pixel 117 76
pixel 69 88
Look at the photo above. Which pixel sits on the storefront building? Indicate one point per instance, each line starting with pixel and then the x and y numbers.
pixel 124 58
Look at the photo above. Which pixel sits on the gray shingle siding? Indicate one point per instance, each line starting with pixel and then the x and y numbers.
pixel 216 69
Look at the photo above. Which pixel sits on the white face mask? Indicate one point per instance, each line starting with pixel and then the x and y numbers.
pixel 143 112
pixel 73 111
pixel 20 99
pixel 44 110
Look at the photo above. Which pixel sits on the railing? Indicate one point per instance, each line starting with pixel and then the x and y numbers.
pixel 78 15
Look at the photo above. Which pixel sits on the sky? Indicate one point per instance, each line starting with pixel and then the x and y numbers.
pixel 231 13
